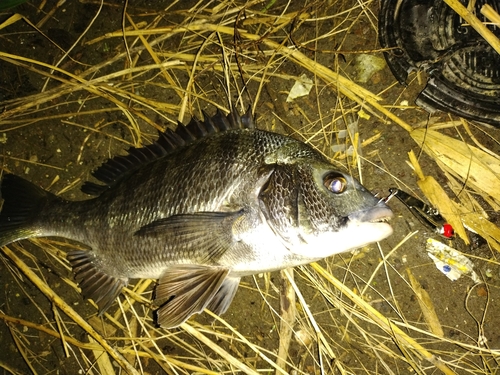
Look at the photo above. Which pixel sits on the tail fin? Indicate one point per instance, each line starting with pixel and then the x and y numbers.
pixel 22 203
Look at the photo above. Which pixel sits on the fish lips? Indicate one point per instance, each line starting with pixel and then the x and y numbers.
pixel 374 219
pixel 373 214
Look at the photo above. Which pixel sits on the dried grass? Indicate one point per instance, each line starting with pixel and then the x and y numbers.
pixel 247 47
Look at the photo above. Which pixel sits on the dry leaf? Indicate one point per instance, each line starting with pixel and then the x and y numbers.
pixel 426 306
pixel 471 165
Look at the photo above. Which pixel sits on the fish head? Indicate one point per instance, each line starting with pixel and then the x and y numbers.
pixel 319 211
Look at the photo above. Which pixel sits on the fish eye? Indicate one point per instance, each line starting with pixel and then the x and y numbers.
pixel 335 182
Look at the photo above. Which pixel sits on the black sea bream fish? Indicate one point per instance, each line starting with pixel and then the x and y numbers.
pixel 198 209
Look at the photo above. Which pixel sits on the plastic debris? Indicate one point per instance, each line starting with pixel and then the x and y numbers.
pixel 463 68
pixel 302 87
pixel 348 134
pixel 367 66
pixel 449 261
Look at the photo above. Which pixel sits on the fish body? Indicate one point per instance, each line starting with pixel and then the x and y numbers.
pixel 198 209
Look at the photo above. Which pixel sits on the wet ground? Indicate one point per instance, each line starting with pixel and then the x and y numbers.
pixel 57 138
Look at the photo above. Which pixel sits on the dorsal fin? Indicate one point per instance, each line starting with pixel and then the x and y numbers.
pixel 118 168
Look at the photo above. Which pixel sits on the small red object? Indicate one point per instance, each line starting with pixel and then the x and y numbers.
pixel 448 230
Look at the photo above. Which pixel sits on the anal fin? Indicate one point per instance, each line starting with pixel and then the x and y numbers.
pixel 186 289
pixel 95 284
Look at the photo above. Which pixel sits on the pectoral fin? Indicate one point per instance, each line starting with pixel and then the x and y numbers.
pixel 207 235
pixel 185 290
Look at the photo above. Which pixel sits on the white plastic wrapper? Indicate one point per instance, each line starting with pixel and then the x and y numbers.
pixel 449 261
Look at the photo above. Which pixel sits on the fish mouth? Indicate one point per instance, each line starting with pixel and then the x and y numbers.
pixel 378 214
pixel 371 225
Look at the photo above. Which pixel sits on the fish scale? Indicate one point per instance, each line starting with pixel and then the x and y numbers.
pixel 198 209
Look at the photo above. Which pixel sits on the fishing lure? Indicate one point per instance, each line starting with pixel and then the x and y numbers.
pixel 426 214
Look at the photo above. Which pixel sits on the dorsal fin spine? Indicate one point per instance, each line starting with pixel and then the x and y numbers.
pixel 118 168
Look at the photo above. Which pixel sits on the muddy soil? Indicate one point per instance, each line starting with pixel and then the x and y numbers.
pixel 69 137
